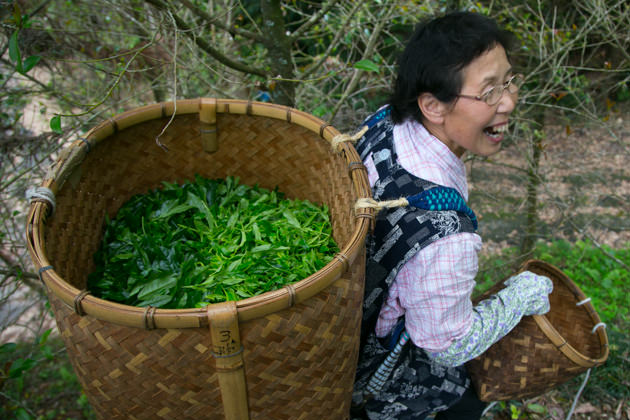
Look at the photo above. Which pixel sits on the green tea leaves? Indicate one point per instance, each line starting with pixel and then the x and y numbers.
pixel 207 241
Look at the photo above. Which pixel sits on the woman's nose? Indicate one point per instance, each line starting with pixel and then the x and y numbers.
pixel 508 101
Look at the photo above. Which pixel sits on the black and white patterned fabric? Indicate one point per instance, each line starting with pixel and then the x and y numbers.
pixel 413 387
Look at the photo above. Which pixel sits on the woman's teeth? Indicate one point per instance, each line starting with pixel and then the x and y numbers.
pixel 497 130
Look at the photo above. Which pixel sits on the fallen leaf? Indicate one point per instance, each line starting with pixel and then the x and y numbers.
pixel 585 408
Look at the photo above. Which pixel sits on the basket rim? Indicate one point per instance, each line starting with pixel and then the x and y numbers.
pixel 554 335
pixel 250 308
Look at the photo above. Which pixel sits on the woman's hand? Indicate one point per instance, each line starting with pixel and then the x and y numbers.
pixel 532 290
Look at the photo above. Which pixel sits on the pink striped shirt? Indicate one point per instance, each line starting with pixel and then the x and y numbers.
pixel 433 289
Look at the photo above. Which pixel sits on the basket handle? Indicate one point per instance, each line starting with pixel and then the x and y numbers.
pixel 228 353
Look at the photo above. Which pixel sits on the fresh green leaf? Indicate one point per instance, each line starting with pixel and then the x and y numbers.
pixel 8 348
pixel 207 241
pixel 261 248
pixel 14 51
pixel 30 62
pixel 366 65
pixel 536 408
pixel 19 366
pixel 55 124
pixel 291 219
pixel 44 337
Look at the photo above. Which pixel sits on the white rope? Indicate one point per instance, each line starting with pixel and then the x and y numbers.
pixel 42 193
pixel 488 408
pixel 341 138
pixel 588 372
pixel 601 324
pixel 577 396
pixel 582 302
pixel 370 203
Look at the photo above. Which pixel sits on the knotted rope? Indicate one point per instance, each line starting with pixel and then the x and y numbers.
pixel 341 138
pixel 433 199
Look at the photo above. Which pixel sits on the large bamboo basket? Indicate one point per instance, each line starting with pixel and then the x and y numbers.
pixel 542 351
pixel 286 354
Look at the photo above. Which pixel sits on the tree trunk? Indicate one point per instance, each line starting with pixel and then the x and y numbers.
pixel 533 182
pixel 279 50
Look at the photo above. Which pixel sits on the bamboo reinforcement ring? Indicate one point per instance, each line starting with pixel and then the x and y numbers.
pixel 353 166
pixel 322 128
pixel 87 143
pixel 41 271
pixel 344 260
pixel 114 125
pixel 78 308
pixel 224 356
pixel 149 317
pixel 291 292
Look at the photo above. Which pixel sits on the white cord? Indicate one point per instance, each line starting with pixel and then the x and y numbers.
pixel 42 193
pixel 577 396
pixel 588 372
pixel 582 302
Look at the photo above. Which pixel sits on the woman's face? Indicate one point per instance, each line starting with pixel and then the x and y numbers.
pixel 472 125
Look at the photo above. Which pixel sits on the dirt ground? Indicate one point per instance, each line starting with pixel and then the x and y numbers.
pixel 585 190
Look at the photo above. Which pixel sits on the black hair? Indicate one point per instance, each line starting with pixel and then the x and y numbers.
pixel 435 55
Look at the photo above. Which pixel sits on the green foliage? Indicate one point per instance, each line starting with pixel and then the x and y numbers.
pixel 366 65
pixel 598 275
pixel 208 241
pixel 37 382
pixel 21 66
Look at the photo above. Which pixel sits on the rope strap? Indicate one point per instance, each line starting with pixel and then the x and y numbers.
pixel 434 199
pixel 38 194
pixel 341 138
pixel 370 203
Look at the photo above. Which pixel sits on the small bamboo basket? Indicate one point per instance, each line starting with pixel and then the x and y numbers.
pixel 286 354
pixel 542 351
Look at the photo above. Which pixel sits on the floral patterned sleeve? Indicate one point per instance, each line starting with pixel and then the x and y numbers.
pixel 526 294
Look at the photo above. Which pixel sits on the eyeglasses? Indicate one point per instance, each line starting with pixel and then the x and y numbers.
pixel 493 95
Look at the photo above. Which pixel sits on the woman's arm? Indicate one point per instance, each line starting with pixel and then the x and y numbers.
pixel 525 294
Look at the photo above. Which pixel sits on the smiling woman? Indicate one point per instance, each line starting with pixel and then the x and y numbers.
pixel 454 93
pixel 474 125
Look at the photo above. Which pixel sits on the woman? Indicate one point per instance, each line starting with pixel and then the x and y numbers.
pixel 454 94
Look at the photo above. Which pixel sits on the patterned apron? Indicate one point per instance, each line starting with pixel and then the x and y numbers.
pixel 395 379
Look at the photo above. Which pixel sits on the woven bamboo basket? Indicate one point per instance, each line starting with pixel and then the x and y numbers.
pixel 286 354
pixel 542 351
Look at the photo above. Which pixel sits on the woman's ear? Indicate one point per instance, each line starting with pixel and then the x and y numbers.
pixel 433 110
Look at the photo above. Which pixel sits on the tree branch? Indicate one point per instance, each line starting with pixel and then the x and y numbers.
pixel 369 49
pixel 205 46
pixel 313 20
pixel 215 22
pixel 341 32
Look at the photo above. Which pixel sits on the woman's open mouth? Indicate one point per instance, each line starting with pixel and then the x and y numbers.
pixel 496 132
